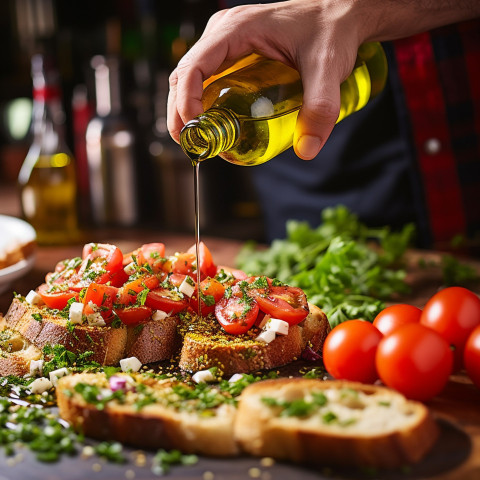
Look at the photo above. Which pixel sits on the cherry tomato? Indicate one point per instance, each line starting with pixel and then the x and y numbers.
pixel 415 360
pixel 169 301
pixel 100 262
pixel 236 314
pixel 64 271
pixel 392 317
pixel 55 297
pixel 184 264
pixel 453 312
pixel 471 356
pixel 99 298
pixel 152 254
pixel 133 315
pixel 206 263
pixel 286 303
pixel 128 293
pixel 212 291
pixel 349 351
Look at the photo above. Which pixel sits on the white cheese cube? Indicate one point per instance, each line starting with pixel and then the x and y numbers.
pixel 130 364
pixel 203 376
pixel 40 385
pixel 266 336
pixel 33 298
pixel 75 314
pixel 280 327
pixel 36 367
pixel 95 320
pixel 159 315
pixel 186 287
pixel 56 374
pixel 235 378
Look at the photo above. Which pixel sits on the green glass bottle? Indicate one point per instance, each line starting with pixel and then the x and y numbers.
pixel 250 110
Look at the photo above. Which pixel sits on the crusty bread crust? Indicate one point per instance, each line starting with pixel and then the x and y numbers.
pixel 154 426
pixel 262 431
pixel 204 346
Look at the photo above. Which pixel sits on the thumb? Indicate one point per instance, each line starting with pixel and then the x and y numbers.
pixel 319 112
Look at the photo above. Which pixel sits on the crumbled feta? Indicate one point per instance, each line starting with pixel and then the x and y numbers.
pixel 203 376
pixel 266 336
pixel 130 364
pixel 95 319
pixel 75 314
pixel 36 367
pixel 186 287
pixel 235 378
pixel 159 315
pixel 33 298
pixel 280 327
pixel 56 374
pixel 40 385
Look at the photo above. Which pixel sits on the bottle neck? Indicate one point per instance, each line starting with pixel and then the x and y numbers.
pixel 209 134
pixel 107 86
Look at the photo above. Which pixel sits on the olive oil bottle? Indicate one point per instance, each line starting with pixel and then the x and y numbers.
pixel 47 178
pixel 250 110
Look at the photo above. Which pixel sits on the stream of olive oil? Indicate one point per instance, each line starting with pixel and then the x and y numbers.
pixel 196 185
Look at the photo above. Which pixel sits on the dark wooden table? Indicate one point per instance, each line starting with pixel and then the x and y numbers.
pixel 456 455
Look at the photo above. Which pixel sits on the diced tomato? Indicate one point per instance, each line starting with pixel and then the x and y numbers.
pixel 64 271
pixel 212 291
pixel 205 263
pixel 176 279
pixel 152 254
pixel 127 294
pixel 166 300
pixel 133 315
pixel 54 297
pixel 99 298
pixel 285 302
pixel 185 264
pixel 117 279
pixel 100 262
pixel 236 314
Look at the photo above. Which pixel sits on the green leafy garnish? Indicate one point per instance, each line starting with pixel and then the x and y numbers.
pixel 164 460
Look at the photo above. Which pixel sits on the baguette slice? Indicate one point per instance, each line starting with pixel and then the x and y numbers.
pixel 358 425
pixel 151 341
pixel 16 352
pixel 167 420
pixel 206 345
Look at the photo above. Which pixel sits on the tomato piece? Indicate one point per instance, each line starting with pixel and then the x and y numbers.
pixel 349 351
pixel 471 356
pixel 211 292
pixel 100 262
pixel 133 315
pixel 166 300
pixel 54 297
pixel 128 293
pixel 99 298
pixel 236 314
pixel 415 360
pixel 118 278
pixel 205 263
pixel 152 254
pixel 184 264
pixel 64 271
pixel 453 312
pixel 394 316
pixel 283 302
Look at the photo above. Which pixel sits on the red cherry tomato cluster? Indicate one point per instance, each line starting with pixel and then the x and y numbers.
pixel 131 287
pixel 411 350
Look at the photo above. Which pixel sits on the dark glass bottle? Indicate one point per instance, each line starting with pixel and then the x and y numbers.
pixel 47 178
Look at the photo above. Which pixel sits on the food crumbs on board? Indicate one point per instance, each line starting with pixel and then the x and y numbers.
pixel 140 459
pixel 254 472
pixel 96 467
pixel 129 474
pixel 208 475
pixel 267 462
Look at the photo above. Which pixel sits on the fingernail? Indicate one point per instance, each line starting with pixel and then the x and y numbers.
pixel 308 146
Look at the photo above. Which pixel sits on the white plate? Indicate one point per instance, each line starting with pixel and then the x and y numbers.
pixel 14 231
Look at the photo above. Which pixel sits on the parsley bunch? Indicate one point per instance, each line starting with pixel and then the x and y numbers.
pixel 344 267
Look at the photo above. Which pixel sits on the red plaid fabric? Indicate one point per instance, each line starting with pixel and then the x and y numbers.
pixel 440 75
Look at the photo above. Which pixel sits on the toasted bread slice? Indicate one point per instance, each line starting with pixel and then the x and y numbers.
pixel 333 423
pixel 16 352
pixel 206 345
pixel 153 341
pixel 168 419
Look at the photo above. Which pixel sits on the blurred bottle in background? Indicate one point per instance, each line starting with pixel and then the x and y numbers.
pixel 111 151
pixel 47 178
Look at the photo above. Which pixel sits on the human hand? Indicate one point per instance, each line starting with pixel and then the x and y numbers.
pixel 320 38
